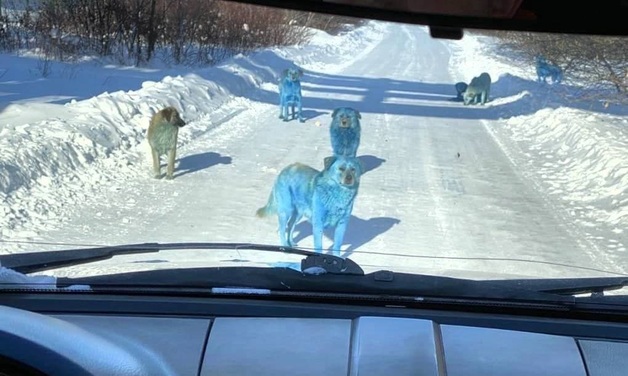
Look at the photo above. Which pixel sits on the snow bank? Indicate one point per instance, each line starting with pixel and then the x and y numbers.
pixel 574 150
pixel 44 164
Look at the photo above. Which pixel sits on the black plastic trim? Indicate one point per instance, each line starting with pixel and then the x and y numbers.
pixel 53 364
pixel 566 16
pixel 11 367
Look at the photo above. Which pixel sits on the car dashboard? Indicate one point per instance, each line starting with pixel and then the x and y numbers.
pixel 243 337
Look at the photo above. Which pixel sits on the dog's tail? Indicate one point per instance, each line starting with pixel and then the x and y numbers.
pixel 270 207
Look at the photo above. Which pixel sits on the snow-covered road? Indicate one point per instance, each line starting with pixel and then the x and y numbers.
pixel 437 182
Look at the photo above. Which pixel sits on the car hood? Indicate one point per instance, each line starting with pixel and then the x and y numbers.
pixel 177 259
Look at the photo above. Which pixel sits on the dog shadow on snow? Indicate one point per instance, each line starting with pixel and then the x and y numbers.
pixel 359 232
pixel 311 114
pixel 370 162
pixel 197 162
pixel 510 95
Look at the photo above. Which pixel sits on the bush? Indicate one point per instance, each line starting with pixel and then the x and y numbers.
pixel 134 31
pixel 329 23
pixel 597 62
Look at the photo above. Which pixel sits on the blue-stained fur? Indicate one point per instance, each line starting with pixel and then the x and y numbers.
pixel 344 131
pixel 545 70
pixel 325 198
pixel 290 94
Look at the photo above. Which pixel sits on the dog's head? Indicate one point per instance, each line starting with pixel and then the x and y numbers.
pixel 471 92
pixel 171 115
pixel 292 74
pixel 345 171
pixel 468 96
pixel 346 117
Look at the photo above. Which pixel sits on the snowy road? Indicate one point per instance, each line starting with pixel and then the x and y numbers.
pixel 438 184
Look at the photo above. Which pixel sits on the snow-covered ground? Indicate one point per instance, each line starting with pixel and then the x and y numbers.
pixel 530 176
pixel 574 151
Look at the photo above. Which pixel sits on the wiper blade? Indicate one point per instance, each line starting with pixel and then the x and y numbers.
pixel 374 286
pixel 569 286
pixel 40 261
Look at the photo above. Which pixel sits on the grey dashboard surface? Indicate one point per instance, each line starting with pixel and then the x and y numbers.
pixel 366 346
pixel 172 345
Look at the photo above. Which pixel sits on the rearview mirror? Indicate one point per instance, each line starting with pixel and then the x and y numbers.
pixel 464 8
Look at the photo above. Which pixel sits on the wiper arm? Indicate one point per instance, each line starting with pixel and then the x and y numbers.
pixel 40 261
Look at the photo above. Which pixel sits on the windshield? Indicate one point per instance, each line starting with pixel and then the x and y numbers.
pixel 501 155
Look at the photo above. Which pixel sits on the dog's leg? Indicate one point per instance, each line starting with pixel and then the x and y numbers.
pixel 339 235
pixel 317 230
pixel 280 101
pixel 301 119
pixel 294 219
pixel 284 217
pixel 284 111
pixel 156 164
pixel 356 145
pixel 171 158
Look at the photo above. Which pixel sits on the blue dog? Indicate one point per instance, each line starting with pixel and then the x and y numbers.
pixel 325 198
pixel 290 93
pixel 545 70
pixel 345 131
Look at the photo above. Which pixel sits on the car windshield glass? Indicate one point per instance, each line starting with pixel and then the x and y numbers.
pixel 503 155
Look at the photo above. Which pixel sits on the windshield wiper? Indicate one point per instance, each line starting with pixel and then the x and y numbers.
pixel 335 268
pixel 40 261
pixel 569 286
pixel 375 286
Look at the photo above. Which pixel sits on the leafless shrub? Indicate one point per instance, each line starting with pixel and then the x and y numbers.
pixel 331 24
pixel 133 31
pixel 595 62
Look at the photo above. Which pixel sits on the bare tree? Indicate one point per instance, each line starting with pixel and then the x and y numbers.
pixel 595 61
pixel 184 31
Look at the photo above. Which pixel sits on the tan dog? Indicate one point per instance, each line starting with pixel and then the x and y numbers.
pixel 162 135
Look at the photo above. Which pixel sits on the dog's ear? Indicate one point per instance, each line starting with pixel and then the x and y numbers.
pixel 333 114
pixel 300 72
pixel 328 161
pixel 284 72
pixel 361 165
pixel 168 113
pixel 357 113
